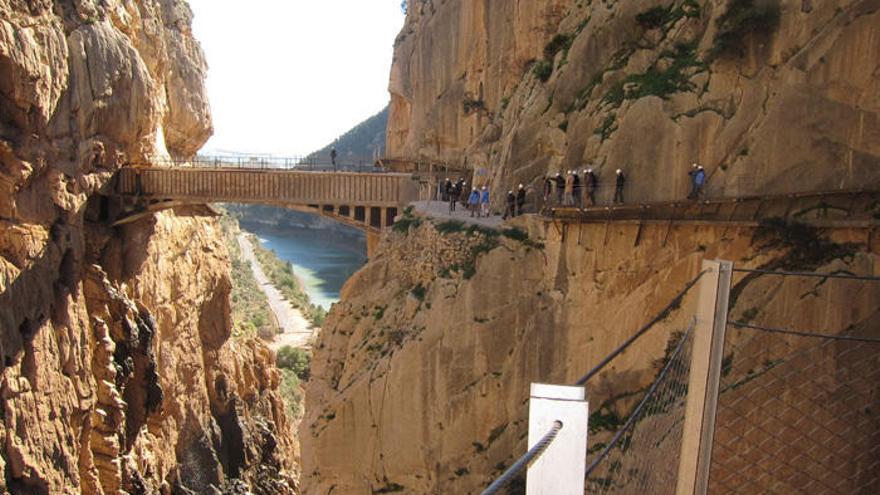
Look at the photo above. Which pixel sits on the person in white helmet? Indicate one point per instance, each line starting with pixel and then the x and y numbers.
pixel 510 208
pixel 618 189
pixel 569 189
pixel 698 179
pixel 484 202
pixel 520 200
pixel 591 183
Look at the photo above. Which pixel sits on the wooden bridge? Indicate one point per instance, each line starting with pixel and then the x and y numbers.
pixel 369 201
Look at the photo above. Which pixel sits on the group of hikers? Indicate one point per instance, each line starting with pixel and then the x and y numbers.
pixel 477 202
pixel 573 190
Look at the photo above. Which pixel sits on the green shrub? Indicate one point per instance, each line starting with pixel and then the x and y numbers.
pixel 660 16
pixel 653 17
pixel 657 82
pixel 297 360
pixel 419 292
pixel 543 69
pixel 607 128
pixel 743 20
pixel 407 221
pixel 291 391
pixel 560 42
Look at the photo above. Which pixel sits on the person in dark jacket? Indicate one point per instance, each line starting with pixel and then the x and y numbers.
pixel 577 193
pixel 447 189
pixel 510 210
pixel 591 183
pixel 548 190
pixel 333 157
pixel 560 187
pixel 520 200
pixel 453 196
pixel 618 189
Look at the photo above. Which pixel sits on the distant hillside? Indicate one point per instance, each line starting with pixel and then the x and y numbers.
pixel 364 140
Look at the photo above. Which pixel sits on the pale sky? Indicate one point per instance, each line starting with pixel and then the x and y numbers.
pixel 288 76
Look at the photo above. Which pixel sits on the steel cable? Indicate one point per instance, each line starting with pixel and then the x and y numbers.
pixel 783 273
pixel 676 301
pixel 524 461
pixel 637 411
pixel 741 324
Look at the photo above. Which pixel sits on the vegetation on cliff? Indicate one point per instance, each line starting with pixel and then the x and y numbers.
pixel 295 365
pixel 282 276
pixel 251 315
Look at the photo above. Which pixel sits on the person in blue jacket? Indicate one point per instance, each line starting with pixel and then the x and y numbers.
pixel 698 179
pixel 474 202
pixel 484 202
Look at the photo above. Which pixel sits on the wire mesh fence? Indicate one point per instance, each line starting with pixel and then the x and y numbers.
pixel 643 455
pixel 797 414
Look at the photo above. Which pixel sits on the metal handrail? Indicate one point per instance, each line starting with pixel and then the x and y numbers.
pixel 525 460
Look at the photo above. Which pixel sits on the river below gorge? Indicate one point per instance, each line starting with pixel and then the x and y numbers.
pixel 323 259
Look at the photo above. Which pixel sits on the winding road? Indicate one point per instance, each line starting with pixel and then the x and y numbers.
pixel 296 331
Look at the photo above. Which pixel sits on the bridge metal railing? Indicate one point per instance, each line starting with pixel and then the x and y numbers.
pixel 306 163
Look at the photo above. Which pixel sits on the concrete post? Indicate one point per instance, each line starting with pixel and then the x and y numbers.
pixel 705 378
pixel 560 469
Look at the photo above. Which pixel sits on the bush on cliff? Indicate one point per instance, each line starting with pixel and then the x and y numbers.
pixel 296 360
pixel 744 19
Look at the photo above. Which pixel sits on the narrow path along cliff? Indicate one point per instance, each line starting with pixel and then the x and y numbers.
pixel 295 329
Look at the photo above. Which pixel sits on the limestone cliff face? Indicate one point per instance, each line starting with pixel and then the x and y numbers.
pixel 421 375
pixel 119 374
pixel 792 107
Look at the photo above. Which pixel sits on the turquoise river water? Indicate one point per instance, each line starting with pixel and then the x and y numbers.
pixel 322 259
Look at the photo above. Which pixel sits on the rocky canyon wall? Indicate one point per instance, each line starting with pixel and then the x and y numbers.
pixel 421 376
pixel 119 374
pixel 420 379
pixel 767 105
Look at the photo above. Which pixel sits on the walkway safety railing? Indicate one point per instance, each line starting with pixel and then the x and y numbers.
pixel 741 406
pixel 655 400
pixel 798 408
pixel 654 428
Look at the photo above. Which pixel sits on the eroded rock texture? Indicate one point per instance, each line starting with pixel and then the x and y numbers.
pixel 421 375
pixel 119 374
pixel 793 107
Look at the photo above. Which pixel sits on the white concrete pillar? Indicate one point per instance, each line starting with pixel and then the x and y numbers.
pixel 560 469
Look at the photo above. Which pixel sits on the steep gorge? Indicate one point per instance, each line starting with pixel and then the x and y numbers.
pixel 120 374
pixel 522 89
pixel 421 375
